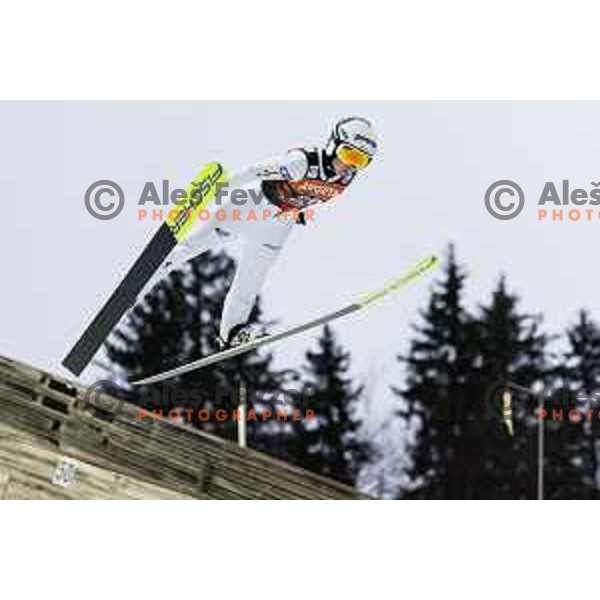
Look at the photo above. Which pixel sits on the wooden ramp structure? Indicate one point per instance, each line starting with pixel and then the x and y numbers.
pixel 54 445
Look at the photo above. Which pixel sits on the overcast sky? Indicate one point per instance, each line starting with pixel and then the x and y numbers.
pixel 425 188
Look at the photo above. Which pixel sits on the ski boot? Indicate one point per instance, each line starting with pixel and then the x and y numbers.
pixel 240 334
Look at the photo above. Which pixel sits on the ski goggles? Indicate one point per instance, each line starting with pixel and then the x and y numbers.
pixel 352 156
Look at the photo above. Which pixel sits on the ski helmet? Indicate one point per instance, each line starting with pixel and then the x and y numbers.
pixel 353 142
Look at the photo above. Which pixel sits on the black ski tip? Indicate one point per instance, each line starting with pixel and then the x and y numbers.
pixel 73 362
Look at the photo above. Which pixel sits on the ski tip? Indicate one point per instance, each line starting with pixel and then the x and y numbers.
pixel 140 382
pixel 430 261
pixel 424 265
pixel 404 279
pixel 147 380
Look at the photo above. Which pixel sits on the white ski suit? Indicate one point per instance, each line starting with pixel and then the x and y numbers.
pixel 285 186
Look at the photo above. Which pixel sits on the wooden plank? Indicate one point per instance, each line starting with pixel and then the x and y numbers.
pixel 44 417
pixel 27 469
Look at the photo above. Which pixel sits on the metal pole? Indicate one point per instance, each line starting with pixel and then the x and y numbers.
pixel 242 421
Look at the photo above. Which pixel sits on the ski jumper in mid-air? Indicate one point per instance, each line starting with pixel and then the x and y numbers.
pixel 291 183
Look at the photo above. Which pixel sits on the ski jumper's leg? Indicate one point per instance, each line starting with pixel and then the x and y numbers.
pixel 203 238
pixel 262 245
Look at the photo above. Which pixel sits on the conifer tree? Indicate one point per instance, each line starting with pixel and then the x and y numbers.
pixel 510 354
pixel 435 396
pixel 458 365
pixel 580 374
pixel 330 443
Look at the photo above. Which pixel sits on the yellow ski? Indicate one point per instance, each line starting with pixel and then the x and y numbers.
pixel 200 193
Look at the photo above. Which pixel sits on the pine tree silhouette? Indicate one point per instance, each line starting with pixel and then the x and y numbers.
pixel 435 396
pixel 513 349
pixel 580 373
pixel 458 365
pixel 510 354
pixel 330 443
